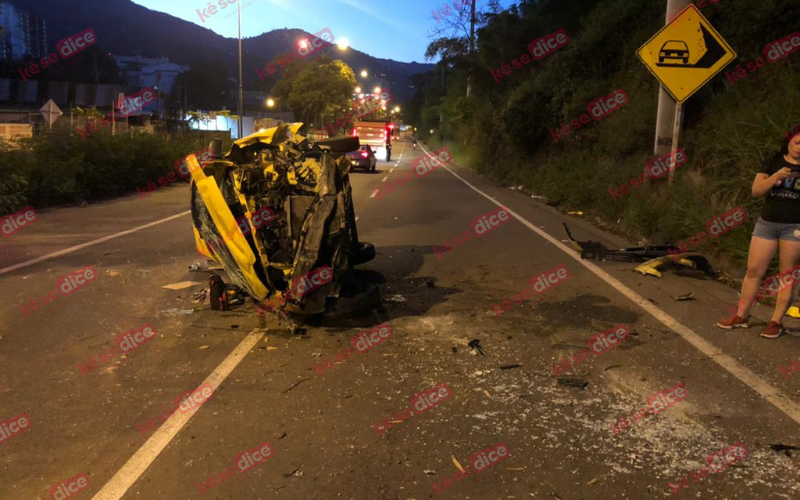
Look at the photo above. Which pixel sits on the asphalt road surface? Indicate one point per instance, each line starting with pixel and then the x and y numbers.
pixel 108 425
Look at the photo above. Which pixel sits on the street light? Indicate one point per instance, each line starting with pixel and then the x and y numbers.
pixel 397 109
pixel 364 73
pixel 377 90
pixel 358 90
pixel 270 102
pixel 343 44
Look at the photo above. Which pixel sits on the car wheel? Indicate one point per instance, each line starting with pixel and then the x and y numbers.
pixel 661 60
pixel 685 61
pixel 365 253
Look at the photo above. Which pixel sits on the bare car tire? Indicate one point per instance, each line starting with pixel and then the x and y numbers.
pixel 365 253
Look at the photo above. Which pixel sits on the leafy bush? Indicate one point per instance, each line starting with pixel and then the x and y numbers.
pixel 61 168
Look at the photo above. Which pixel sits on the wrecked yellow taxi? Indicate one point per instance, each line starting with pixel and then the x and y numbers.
pixel 276 212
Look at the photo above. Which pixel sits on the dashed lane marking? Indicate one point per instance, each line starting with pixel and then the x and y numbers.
pixel 146 455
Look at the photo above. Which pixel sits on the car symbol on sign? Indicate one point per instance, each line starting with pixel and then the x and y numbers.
pixel 674 49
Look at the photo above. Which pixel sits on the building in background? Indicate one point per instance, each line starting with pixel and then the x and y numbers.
pixel 142 72
pixel 22 36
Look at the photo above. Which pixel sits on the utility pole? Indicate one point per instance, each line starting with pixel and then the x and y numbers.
pixel 670 113
pixel 471 45
pixel 239 5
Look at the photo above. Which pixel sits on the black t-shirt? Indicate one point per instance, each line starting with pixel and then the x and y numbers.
pixel 783 200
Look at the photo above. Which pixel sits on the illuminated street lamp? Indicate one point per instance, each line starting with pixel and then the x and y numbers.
pixel 364 73
pixel 377 90
pixel 270 102
pixel 397 109
pixel 358 90
pixel 343 44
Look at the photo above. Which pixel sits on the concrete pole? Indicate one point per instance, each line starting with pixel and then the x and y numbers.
pixel 667 128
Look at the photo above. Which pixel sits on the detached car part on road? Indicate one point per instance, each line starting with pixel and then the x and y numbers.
pixel 652 257
pixel 276 208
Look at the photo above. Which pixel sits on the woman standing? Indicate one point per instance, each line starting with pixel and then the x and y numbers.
pixel 777 229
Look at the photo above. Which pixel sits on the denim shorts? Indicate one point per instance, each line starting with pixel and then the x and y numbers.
pixel 777 231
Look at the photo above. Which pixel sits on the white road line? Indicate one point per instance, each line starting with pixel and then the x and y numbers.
pixel 384 179
pixel 356 219
pixel 745 375
pixel 88 244
pixel 146 455
pixel 374 193
pixel 391 170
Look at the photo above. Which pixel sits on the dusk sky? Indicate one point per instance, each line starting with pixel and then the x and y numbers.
pixel 396 30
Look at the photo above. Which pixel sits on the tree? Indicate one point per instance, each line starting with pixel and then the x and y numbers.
pixel 322 89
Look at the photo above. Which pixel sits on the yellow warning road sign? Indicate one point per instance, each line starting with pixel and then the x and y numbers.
pixel 686 54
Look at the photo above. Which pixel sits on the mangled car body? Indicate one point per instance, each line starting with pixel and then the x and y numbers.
pixel 276 212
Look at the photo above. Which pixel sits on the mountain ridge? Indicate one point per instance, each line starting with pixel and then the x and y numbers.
pixel 119 25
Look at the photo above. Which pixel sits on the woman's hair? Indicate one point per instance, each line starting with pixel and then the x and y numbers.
pixel 785 147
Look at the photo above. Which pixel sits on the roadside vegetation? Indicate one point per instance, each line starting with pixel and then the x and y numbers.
pixel 60 168
pixel 502 129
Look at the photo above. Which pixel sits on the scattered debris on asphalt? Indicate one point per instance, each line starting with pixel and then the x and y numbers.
pixel 509 367
pixel 573 382
pixel 693 261
pixel 476 344
pixel 396 298
pixel 457 463
pixel 686 296
pixel 294 472
pixel 786 449
pixel 200 296
pixel 204 346
pixel 181 285
pixel 293 386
